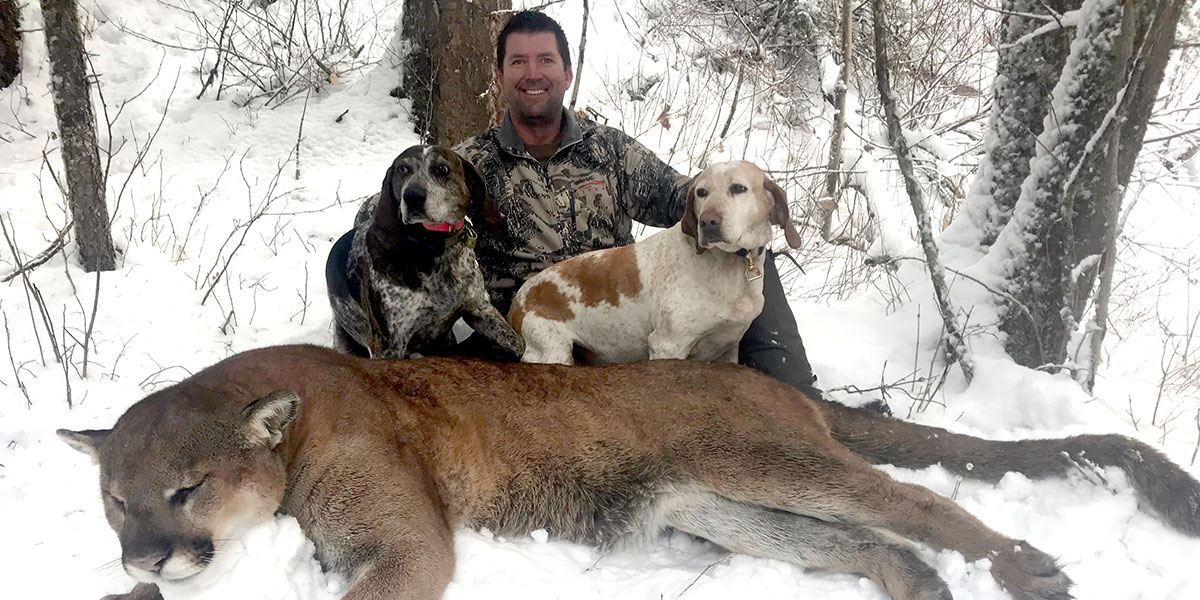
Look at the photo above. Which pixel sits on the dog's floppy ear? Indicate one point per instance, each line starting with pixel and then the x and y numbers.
pixel 780 215
pixel 689 221
pixel 481 204
pixel 387 210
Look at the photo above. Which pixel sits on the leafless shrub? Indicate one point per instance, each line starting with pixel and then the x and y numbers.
pixel 260 205
pixel 16 369
pixel 712 74
pixel 266 53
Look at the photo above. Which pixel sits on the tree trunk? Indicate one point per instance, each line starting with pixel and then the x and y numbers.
pixel 1037 247
pixel 829 200
pixel 448 72
pixel 1154 24
pixel 10 42
pixel 77 135
pixel 1026 71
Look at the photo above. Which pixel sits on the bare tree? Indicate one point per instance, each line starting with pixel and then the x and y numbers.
pixel 1033 49
pixel 10 42
pixel 579 56
pixel 448 71
pixel 955 344
pixel 77 134
pixel 829 200
pixel 1060 225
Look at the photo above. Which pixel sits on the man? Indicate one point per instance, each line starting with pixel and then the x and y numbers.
pixel 565 185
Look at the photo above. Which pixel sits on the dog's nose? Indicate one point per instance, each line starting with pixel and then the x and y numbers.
pixel 710 226
pixel 414 200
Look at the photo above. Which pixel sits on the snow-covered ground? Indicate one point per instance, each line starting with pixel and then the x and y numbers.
pixel 216 172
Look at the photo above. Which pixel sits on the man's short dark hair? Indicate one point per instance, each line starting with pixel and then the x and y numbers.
pixel 530 21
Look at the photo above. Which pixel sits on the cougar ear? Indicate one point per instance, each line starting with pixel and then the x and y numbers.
pixel 87 441
pixel 780 215
pixel 689 221
pixel 481 204
pixel 265 420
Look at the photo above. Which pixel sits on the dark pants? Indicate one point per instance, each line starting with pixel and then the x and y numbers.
pixel 772 344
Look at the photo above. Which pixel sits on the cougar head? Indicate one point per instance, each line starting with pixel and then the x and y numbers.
pixel 182 479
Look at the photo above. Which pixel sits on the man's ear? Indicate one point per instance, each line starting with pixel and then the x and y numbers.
pixel 481 204
pixel 570 76
pixel 87 441
pixel 780 215
pixel 265 420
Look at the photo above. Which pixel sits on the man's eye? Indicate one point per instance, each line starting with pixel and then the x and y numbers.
pixel 737 188
pixel 181 495
pixel 440 170
pixel 701 192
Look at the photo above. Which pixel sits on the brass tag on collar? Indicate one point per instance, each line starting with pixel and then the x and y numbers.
pixel 472 236
pixel 752 270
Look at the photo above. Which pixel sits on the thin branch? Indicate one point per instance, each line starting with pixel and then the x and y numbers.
pixel 955 341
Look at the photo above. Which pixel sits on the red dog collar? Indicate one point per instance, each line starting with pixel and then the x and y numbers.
pixel 445 227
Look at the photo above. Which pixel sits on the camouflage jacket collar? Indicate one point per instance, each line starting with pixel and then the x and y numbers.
pixel 573 131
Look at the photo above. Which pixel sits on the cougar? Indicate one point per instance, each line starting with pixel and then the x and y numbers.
pixel 380 460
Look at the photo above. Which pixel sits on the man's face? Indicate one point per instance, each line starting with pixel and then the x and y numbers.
pixel 533 77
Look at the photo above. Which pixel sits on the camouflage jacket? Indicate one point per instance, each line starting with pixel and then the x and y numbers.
pixel 587 197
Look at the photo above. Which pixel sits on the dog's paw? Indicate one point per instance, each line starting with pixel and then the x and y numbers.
pixel 1030 574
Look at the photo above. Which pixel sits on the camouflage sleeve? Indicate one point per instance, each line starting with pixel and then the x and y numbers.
pixel 655 192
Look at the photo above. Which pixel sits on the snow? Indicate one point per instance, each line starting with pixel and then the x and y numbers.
pixel 214 165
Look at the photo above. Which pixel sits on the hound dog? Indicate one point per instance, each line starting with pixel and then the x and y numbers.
pixel 407 271
pixel 689 291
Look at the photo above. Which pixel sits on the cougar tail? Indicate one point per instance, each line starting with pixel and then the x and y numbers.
pixel 1169 490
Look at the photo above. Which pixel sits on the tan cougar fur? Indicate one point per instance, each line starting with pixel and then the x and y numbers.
pixel 380 460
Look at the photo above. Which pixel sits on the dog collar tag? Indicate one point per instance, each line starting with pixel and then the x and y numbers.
pixel 752 270
pixel 471 235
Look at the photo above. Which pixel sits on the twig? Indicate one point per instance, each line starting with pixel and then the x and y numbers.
pixel 828 203
pixel 706 569
pixel 17 372
pixel 244 227
pixel 87 337
pixel 955 342
pixel 147 380
pixel 32 296
pixel 1003 294
pixel 112 373
pixel 66 360
pixel 1194 450
pixel 303 312
pixel 300 132
pixel 42 257
pixel 579 61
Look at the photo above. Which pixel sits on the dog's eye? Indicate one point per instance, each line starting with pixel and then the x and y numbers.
pixel 117 502
pixel 181 495
pixel 404 170
pixel 440 170
pixel 701 192
pixel 737 188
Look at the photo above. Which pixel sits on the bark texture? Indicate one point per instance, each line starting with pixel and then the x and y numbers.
pixel 10 42
pixel 77 135
pixel 448 71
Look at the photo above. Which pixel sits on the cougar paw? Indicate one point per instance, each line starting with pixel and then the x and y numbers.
pixel 1030 574
pixel 141 591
